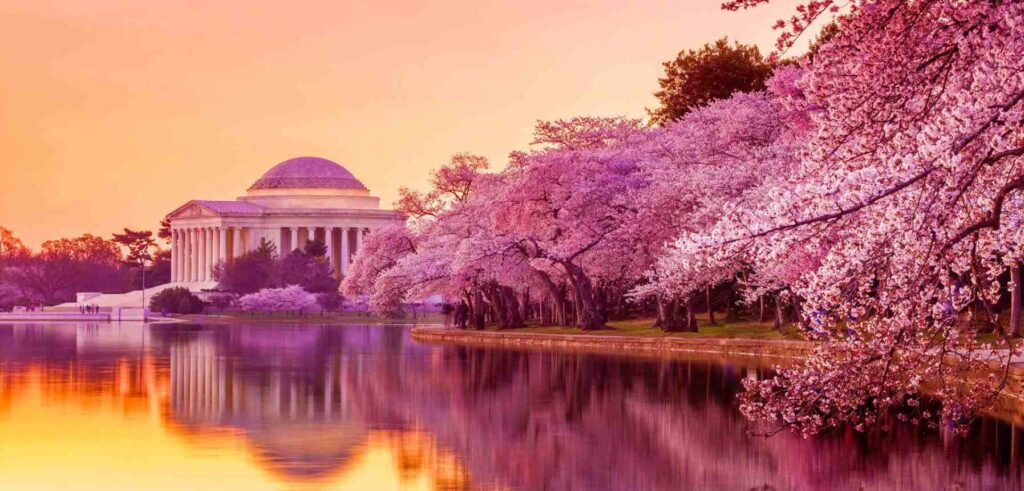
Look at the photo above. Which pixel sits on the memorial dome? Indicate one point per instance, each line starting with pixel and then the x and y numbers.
pixel 307 173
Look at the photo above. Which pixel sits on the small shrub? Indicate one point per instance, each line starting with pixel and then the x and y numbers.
pixel 184 306
pixel 221 301
pixel 329 301
pixel 176 300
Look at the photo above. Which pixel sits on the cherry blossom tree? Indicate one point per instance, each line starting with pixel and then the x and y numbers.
pixel 450 184
pixel 723 156
pixel 562 205
pixel 908 196
pixel 382 250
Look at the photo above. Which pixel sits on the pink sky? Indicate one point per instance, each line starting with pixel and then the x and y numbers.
pixel 114 112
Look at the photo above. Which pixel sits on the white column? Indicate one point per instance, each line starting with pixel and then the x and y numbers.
pixel 204 273
pixel 179 245
pixel 329 242
pixel 215 244
pixel 209 253
pixel 183 257
pixel 344 250
pixel 174 255
pixel 255 237
pixel 237 246
pixel 294 244
pixel 201 254
pixel 195 255
pixel 310 234
pixel 359 239
pixel 197 274
pixel 279 240
pixel 188 255
pixel 222 243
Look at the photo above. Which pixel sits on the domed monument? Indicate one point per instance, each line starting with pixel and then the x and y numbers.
pixel 298 200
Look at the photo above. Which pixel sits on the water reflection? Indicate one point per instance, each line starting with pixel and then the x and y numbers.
pixel 359 407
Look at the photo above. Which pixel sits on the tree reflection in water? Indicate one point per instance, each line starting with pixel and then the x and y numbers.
pixel 308 402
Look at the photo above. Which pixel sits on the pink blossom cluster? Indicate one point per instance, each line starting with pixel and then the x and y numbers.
pixel 288 299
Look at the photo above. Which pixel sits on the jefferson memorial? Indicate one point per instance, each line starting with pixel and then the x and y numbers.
pixel 298 200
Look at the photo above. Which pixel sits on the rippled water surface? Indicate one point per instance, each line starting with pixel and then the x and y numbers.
pixel 99 406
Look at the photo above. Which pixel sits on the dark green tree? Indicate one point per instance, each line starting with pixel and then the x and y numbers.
pixel 315 248
pixel 158 271
pixel 698 77
pixel 830 31
pixel 165 230
pixel 139 244
pixel 250 272
pixel 266 248
pixel 312 273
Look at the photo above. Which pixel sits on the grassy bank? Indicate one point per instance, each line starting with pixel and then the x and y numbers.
pixel 742 328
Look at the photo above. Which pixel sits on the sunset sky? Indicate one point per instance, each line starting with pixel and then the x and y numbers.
pixel 114 113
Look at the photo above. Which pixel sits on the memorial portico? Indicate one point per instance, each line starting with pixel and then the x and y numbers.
pixel 298 200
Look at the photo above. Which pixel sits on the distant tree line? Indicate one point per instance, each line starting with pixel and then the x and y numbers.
pixel 63 267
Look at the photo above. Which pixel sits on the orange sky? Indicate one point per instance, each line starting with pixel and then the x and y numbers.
pixel 113 113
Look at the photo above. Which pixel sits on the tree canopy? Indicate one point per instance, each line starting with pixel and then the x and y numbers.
pixel 713 72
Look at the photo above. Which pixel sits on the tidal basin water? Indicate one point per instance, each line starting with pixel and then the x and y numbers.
pixel 99 406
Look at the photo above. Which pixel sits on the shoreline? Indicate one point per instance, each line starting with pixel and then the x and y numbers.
pixel 672 347
pixel 1009 406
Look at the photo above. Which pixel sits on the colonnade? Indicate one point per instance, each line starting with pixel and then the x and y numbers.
pixel 206 387
pixel 196 250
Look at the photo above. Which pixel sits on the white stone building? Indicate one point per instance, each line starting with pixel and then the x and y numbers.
pixel 298 200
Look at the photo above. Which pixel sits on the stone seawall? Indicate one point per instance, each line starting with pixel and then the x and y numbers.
pixel 778 350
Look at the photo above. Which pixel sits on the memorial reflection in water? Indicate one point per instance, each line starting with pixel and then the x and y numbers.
pixel 251 407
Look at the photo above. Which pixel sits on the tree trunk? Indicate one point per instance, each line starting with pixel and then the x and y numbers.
pixel 780 319
pixel 478 310
pixel 659 309
pixel 1015 302
pixel 513 316
pixel 672 315
pixel 620 307
pixel 707 300
pixel 497 311
pixel 557 297
pixel 761 315
pixel 731 312
pixel 589 316
pixel 691 319
pixel 798 315
pixel 601 299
